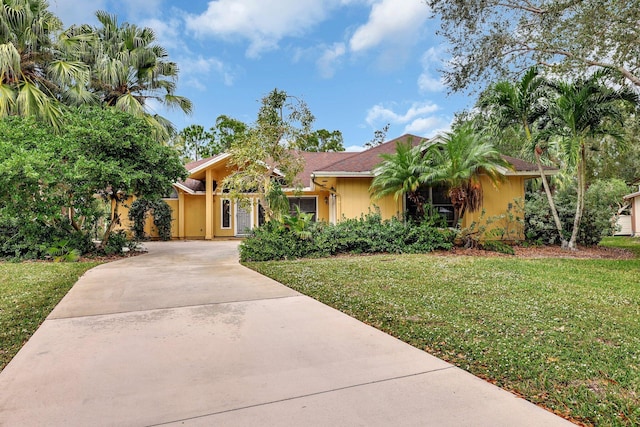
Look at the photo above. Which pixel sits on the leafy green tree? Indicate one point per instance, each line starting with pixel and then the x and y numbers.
pixel 583 111
pixel 321 141
pixel 457 160
pixel 195 141
pixel 37 74
pixel 128 69
pixel 264 153
pixel 521 104
pixel 495 38
pixel 52 180
pixel 225 131
pixel 401 173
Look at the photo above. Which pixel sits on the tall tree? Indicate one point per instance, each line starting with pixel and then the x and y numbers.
pixel 584 110
pixel 265 154
pixel 36 72
pixel 457 160
pixel 321 140
pixel 128 69
pixel 400 174
pixel 521 104
pixel 499 37
pixel 224 132
pixel 51 181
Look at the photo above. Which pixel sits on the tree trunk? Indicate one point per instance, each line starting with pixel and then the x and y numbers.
pixel 115 219
pixel 552 204
pixel 580 201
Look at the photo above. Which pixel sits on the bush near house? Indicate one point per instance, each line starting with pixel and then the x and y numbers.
pixel 298 237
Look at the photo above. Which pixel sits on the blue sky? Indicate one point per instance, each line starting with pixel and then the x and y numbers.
pixel 358 64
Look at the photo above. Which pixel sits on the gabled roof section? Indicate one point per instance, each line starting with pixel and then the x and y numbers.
pixel 317 161
pixel 365 161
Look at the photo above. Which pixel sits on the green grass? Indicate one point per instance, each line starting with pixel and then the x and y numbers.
pixel 623 242
pixel 563 333
pixel 28 293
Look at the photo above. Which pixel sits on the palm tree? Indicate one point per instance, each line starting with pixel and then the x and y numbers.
pixel 401 174
pixel 129 70
pixel 457 160
pixel 521 104
pixel 584 110
pixel 36 75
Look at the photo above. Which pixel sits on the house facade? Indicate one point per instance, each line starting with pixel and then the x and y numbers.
pixel 634 200
pixel 332 186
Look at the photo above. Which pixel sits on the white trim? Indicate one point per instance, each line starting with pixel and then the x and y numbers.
pixel 344 174
pixel 631 196
pixel 183 188
pixel 209 163
pixel 222 227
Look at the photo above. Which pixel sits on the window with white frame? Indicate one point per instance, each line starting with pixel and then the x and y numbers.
pixel 225 216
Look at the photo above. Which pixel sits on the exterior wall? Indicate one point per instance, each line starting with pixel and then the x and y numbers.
pixel 635 216
pixel 355 200
pixel 194 217
pixel 497 201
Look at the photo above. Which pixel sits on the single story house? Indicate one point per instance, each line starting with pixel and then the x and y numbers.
pixel 634 200
pixel 334 185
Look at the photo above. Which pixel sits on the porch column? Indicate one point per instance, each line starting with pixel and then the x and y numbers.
pixel 181 234
pixel 208 234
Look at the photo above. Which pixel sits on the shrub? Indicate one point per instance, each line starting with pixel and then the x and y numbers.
pixel 596 219
pixel 368 234
pixel 161 212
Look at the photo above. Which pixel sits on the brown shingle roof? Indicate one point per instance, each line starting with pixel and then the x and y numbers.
pixel 365 161
pixel 520 165
pixel 318 161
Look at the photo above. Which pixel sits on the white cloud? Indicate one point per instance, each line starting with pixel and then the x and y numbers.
pixel 330 59
pixel 76 12
pixel 354 148
pixel 390 22
pixel 260 22
pixel 431 60
pixel 168 32
pixel 418 118
pixel 197 71
pixel 379 113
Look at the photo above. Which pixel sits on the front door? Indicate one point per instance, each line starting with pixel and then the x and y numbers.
pixel 243 220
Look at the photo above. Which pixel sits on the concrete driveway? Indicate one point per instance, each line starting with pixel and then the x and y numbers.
pixel 184 335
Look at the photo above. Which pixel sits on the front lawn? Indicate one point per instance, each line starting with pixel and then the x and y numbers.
pixel 563 333
pixel 28 293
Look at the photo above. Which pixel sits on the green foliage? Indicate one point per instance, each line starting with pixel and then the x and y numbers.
pixel 161 213
pixel 492 38
pixel 62 252
pixel 539 229
pixel 264 151
pixel 49 181
pixel 321 141
pixel 116 243
pixel 299 238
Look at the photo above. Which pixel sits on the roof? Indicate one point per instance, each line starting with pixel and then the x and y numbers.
pixel 632 195
pixel 366 161
pixel 347 163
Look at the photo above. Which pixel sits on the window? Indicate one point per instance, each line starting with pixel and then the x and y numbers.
pixel 438 199
pixel 226 213
pixel 306 205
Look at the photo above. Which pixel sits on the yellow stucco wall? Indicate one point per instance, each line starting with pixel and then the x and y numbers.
pixel 497 201
pixel 194 223
pixel 355 200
